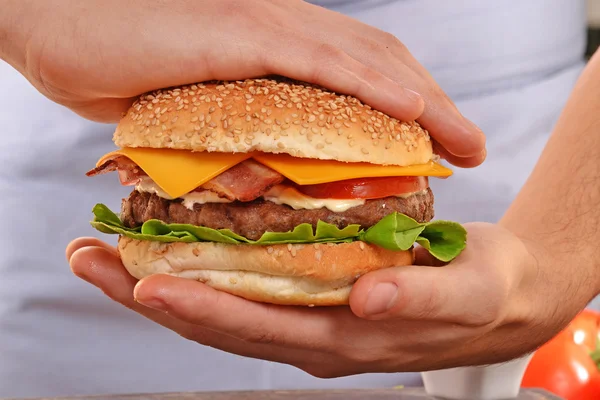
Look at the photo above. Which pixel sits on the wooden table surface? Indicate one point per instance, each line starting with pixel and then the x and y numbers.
pixel 380 394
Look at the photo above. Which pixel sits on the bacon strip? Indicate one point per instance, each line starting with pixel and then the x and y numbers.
pixel 246 181
pixel 118 163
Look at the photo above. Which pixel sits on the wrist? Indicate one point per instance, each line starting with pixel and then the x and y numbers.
pixel 561 260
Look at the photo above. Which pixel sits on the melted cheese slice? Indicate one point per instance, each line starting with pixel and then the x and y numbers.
pixel 308 171
pixel 178 172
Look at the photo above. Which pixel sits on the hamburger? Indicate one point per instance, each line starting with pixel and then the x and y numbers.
pixel 270 189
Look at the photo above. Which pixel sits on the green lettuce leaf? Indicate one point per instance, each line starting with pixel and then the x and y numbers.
pixel 443 239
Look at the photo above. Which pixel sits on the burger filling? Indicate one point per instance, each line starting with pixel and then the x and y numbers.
pixel 253 204
pixel 251 199
pixel 252 219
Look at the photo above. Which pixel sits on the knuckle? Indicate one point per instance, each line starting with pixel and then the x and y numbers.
pixel 372 45
pixel 329 54
pixel 493 300
pixel 485 317
pixel 358 356
pixel 436 92
pixel 392 42
pixel 368 74
pixel 431 303
pixel 327 57
pixel 257 335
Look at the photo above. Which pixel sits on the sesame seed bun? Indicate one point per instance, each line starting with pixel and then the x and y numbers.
pixel 310 274
pixel 271 116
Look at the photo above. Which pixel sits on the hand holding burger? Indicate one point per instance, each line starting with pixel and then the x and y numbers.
pixel 512 288
pixel 138 49
pixel 254 199
pixel 271 189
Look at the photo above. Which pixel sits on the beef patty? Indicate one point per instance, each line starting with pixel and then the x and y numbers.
pixel 252 219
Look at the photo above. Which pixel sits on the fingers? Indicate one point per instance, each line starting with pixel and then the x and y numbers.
pixel 249 321
pixel 471 291
pixel 331 67
pixel 102 268
pixel 462 162
pixel 104 110
pixel 82 242
pixel 442 294
pixel 459 136
pixel 424 257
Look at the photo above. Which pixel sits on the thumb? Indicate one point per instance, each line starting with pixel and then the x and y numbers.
pixel 451 294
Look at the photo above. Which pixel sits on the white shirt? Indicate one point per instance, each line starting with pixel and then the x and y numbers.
pixel 509 65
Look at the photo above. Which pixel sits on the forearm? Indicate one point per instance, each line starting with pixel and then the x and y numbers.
pixel 559 206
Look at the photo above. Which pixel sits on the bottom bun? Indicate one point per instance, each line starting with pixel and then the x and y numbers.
pixel 287 274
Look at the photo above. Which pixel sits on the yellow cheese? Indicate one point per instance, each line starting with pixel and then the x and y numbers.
pixel 307 171
pixel 178 172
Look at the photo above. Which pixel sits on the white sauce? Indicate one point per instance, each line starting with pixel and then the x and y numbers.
pixel 147 185
pixel 189 199
pixel 279 194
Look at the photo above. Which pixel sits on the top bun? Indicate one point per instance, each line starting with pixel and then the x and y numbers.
pixel 271 116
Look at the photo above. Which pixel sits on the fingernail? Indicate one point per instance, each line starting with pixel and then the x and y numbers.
pixel 381 298
pixel 154 303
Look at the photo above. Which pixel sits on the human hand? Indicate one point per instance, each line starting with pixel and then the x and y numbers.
pixel 496 301
pixel 96 56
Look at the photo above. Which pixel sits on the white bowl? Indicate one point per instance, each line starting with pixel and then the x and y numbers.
pixel 491 382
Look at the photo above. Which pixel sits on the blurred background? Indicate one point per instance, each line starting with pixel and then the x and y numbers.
pixel 593 26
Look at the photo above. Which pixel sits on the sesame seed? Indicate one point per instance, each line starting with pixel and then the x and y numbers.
pixel 319 112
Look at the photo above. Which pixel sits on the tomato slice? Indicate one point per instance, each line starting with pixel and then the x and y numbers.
pixel 366 188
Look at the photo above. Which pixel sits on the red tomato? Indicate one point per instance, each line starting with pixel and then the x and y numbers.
pixel 366 188
pixel 565 369
pixel 565 366
pixel 585 329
